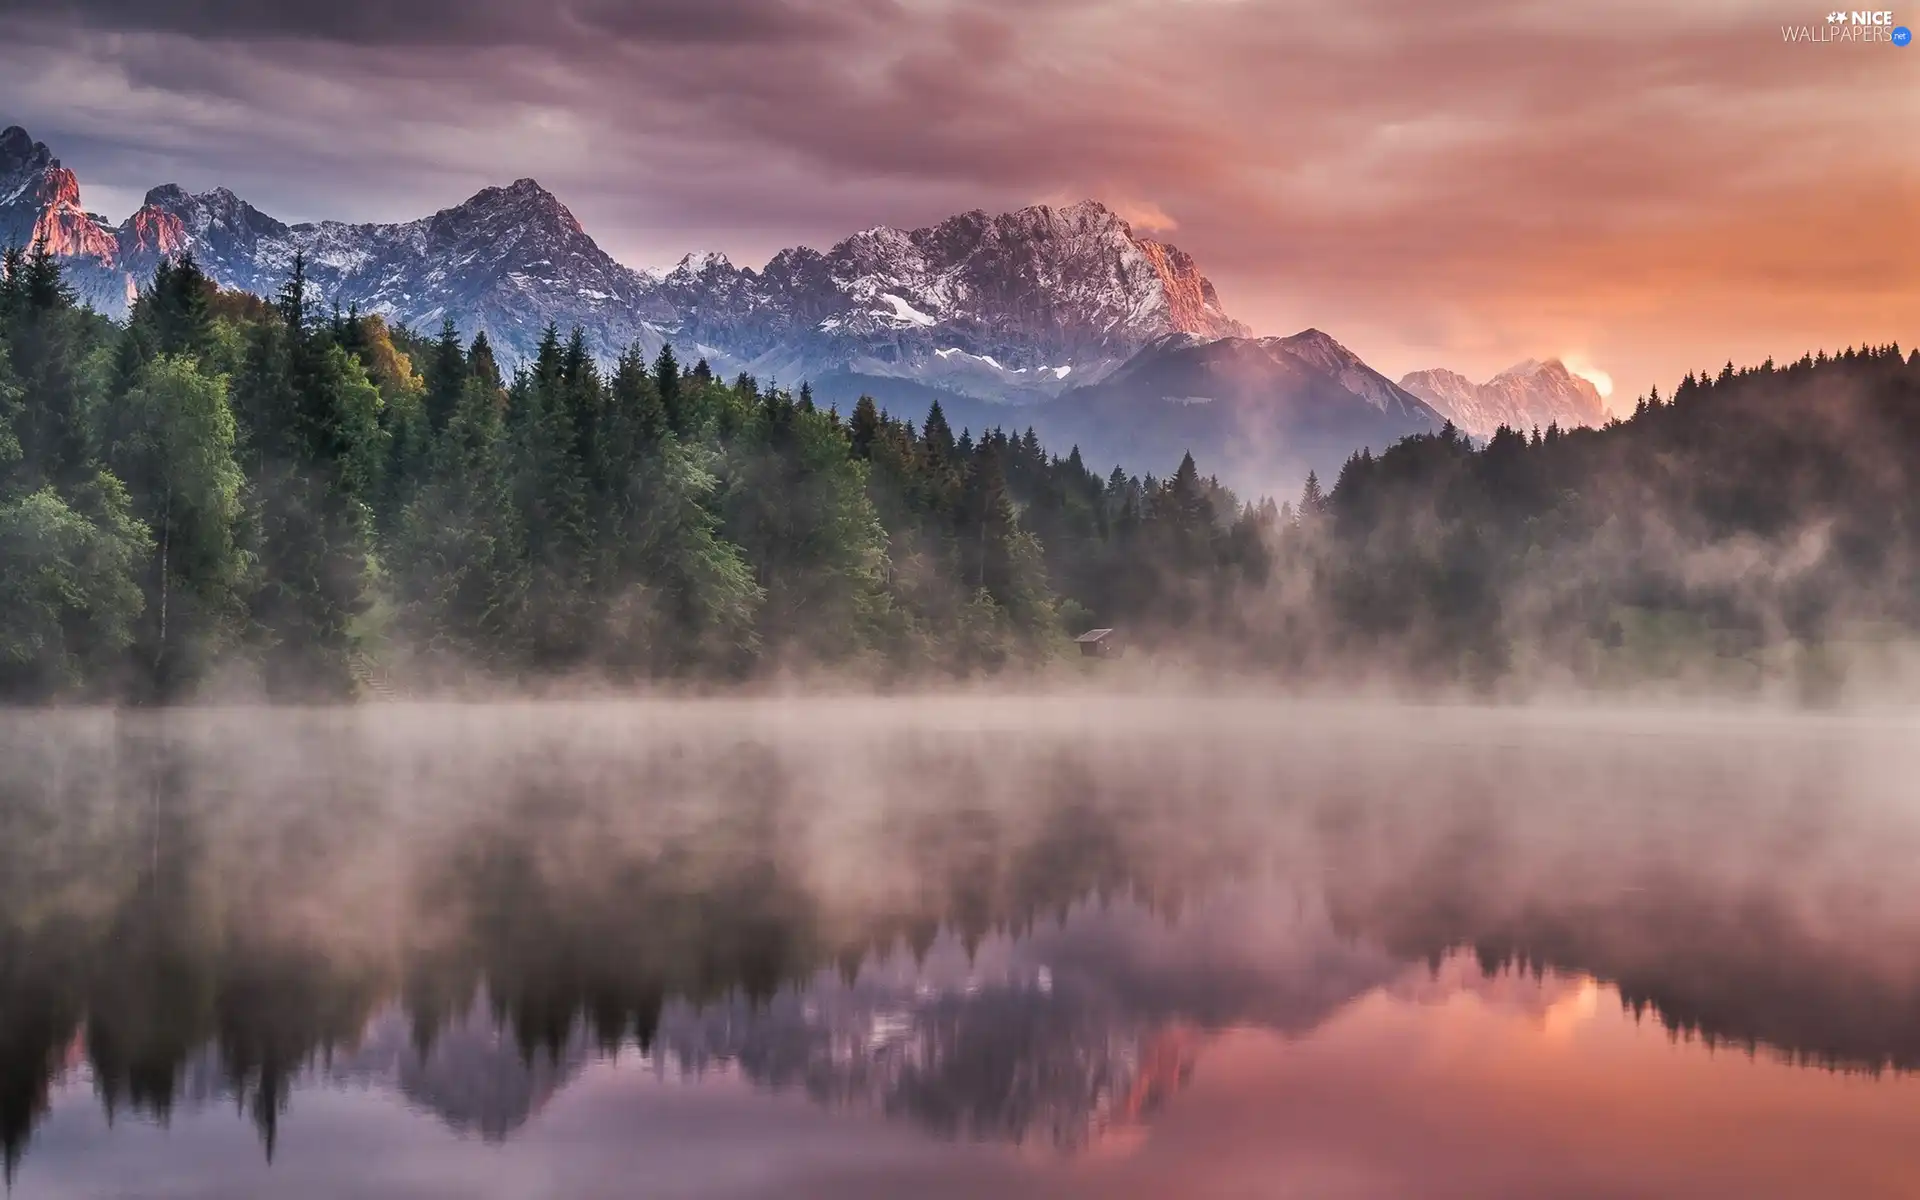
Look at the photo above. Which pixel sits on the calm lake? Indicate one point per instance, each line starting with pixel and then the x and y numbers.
pixel 957 948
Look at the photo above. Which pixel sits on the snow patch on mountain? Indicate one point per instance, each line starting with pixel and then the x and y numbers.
pixel 907 314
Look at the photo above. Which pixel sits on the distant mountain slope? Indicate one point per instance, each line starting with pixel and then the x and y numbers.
pixel 1521 397
pixel 1261 412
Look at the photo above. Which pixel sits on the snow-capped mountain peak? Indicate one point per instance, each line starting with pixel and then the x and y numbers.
pixel 1029 298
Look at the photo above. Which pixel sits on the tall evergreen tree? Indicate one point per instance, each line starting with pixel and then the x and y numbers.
pixel 666 378
pixel 551 491
pixel 175 310
pixel 446 376
pixel 864 427
pixel 674 595
pixel 313 434
pixel 44 337
pixel 460 552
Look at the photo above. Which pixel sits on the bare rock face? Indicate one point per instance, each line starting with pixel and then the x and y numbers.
pixel 40 205
pixel 1522 397
pixel 67 229
pixel 152 234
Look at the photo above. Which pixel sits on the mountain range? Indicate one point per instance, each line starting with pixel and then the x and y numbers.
pixel 1059 318
pixel 1524 396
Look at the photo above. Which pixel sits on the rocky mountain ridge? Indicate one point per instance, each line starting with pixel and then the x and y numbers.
pixel 1003 307
pixel 1524 396
pixel 1062 318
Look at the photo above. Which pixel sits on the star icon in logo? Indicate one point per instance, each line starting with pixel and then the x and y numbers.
pixel 1836 18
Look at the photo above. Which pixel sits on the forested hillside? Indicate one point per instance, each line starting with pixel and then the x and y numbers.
pixel 228 496
pixel 1760 522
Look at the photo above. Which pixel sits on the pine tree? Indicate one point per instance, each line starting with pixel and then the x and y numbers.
pixel 42 331
pixel 794 499
pixel 446 377
pixel 997 558
pixel 481 363
pixel 460 562
pixel 864 427
pixel 937 439
pixel 551 491
pixel 673 595
pixel 666 380
pixel 70 544
pixel 313 439
pixel 174 312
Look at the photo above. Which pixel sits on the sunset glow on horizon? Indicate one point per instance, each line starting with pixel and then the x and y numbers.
pixel 1463 186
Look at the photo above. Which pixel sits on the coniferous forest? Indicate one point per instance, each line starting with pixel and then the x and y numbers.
pixel 231 494
pixel 227 496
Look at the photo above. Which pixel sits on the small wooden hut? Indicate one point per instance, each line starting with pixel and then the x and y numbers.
pixel 1099 643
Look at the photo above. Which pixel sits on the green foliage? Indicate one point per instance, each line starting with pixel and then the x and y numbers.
pixel 1754 510
pixel 68 599
pixel 173 447
pixel 549 420
pixel 675 595
pixel 228 482
pixel 46 338
pixel 315 450
pixel 459 558
pixel 794 500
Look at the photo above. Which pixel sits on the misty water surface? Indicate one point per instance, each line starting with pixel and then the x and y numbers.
pixel 832 947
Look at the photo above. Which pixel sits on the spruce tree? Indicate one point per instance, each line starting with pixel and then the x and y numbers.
pixel 446 376
pixel 551 490
pixel 42 331
pixel 315 452
pixel 864 427
pixel 174 312
pixel 460 562
pixel 666 379
pixel 673 595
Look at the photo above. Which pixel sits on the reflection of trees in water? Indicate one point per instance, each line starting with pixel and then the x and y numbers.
pixel 176 903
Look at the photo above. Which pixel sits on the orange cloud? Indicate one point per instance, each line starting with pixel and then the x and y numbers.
pixel 1464 184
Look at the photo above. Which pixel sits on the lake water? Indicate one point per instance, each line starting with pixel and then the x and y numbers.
pixel 956 948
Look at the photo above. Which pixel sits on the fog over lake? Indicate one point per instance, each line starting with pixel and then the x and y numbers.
pixel 986 944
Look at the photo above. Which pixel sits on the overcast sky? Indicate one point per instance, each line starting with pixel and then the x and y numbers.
pixel 1645 187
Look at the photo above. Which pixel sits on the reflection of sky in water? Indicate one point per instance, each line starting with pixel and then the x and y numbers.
pixel 1152 954
pixel 1319 1065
